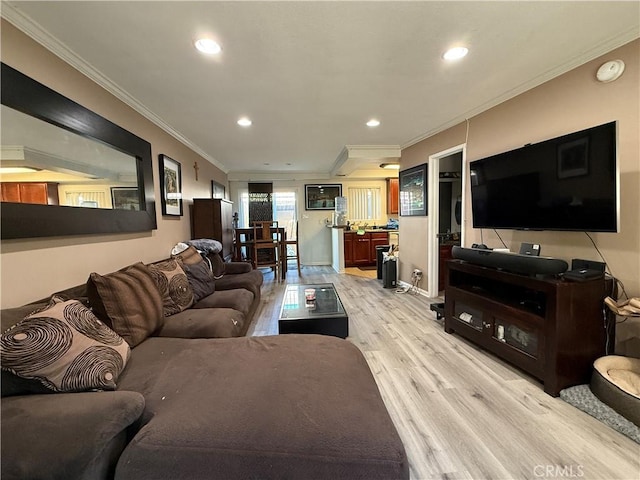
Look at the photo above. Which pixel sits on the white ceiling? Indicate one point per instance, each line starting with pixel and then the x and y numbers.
pixel 310 74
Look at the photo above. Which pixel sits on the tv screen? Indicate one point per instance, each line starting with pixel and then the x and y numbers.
pixel 566 183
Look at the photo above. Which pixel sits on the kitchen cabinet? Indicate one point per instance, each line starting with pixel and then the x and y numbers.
pixel 348 249
pixel 42 193
pixel 393 196
pixel 360 250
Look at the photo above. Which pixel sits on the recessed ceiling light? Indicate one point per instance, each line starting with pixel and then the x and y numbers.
pixel 244 122
pixel 455 53
pixel 373 123
pixel 208 46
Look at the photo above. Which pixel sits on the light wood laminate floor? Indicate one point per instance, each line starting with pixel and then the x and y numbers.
pixel 461 412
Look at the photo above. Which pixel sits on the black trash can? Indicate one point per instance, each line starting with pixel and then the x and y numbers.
pixel 380 249
pixel 390 272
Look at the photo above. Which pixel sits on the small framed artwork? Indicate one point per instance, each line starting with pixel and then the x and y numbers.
pixel 217 190
pixel 125 198
pixel 573 158
pixel 413 191
pixel 322 197
pixel 170 186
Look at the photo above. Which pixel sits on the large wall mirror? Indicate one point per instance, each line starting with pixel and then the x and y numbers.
pixel 64 170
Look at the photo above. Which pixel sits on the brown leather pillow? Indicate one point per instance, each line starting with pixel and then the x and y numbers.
pixel 128 301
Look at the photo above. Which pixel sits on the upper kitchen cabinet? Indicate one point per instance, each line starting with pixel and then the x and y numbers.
pixel 393 196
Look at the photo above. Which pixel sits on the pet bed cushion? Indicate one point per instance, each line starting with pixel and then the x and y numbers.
pixel 616 382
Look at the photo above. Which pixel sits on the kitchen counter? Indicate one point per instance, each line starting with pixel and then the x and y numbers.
pixel 344 251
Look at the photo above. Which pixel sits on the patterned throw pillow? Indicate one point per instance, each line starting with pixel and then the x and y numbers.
pixel 128 301
pixel 173 285
pixel 64 347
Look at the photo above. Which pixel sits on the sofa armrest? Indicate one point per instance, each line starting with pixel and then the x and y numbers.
pixel 234 268
pixel 66 435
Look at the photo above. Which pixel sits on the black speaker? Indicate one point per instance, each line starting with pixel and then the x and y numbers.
pixel 511 262
pixel 532 249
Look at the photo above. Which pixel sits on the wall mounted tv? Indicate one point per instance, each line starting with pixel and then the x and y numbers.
pixel 567 183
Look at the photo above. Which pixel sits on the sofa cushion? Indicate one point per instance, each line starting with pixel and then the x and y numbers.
pixel 173 285
pixel 64 436
pixel 204 323
pixel 200 279
pixel 288 406
pixel 128 301
pixel 251 281
pixel 238 299
pixel 65 348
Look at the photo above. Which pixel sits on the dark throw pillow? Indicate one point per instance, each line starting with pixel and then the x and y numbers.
pixel 65 348
pixel 200 279
pixel 128 301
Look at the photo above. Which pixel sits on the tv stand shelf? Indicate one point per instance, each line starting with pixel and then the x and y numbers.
pixel 550 328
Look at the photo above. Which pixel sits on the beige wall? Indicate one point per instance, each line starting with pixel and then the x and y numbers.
pixel 571 102
pixel 32 269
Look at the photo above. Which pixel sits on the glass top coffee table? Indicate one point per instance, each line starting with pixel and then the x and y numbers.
pixel 323 315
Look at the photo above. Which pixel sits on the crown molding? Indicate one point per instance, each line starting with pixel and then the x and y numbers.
pixel 35 31
pixel 600 50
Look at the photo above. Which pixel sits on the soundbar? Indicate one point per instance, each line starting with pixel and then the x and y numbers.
pixel 511 262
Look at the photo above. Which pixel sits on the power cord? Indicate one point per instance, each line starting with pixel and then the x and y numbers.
pixel 416 277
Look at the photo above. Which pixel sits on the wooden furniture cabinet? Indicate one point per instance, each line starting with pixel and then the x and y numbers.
pixel 348 249
pixel 42 193
pixel 444 256
pixel 212 218
pixel 360 250
pixel 550 328
pixel 393 196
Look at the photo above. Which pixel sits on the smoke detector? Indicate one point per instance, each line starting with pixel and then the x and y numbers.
pixel 610 71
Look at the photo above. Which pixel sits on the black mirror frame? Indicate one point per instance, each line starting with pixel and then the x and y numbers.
pixel 20 220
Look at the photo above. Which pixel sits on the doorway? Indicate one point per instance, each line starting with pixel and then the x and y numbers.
pixel 447 182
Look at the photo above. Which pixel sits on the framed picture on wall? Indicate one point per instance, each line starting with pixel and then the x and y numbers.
pixel 217 190
pixel 170 186
pixel 322 197
pixel 413 191
pixel 125 198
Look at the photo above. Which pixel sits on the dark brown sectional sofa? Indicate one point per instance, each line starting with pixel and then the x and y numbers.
pixel 192 405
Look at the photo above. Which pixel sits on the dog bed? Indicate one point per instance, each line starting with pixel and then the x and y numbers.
pixel 616 382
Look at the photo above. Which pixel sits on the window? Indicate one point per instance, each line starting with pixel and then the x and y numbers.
pixel 284 211
pixel 364 203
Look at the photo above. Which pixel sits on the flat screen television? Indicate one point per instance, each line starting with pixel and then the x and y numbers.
pixel 567 183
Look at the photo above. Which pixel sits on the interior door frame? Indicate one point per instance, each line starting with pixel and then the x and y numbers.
pixel 433 212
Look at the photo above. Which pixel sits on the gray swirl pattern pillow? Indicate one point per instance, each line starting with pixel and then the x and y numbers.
pixel 65 348
pixel 174 287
